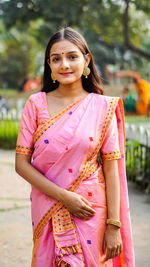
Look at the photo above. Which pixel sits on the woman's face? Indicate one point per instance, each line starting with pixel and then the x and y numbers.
pixel 67 62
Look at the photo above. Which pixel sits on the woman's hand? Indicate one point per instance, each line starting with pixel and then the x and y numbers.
pixel 112 241
pixel 78 205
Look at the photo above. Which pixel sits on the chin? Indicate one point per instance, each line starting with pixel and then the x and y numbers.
pixel 67 82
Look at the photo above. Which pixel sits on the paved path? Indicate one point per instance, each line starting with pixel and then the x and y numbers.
pixel 15 221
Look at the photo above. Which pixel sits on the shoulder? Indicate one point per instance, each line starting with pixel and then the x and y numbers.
pixel 36 97
pixel 105 100
pixel 36 100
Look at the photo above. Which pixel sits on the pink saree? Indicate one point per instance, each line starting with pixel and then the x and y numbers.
pixel 65 149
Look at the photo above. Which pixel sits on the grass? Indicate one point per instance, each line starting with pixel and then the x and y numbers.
pixel 136 119
pixel 9 93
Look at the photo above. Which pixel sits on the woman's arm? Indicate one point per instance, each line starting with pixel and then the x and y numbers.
pixel 110 168
pixel 112 238
pixel 77 205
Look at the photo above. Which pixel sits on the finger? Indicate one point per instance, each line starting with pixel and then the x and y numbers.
pixel 115 253
pixel 87 208
pixel 86 201
pixel 121 248
pixel 87 213
pixel 118 250
pixel 82 216
pixel 79 215
pixel 104 245
pixel 108 253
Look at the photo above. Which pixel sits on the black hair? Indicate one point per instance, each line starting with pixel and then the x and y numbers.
pixel 92 83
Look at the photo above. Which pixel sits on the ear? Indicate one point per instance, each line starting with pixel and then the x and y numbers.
pixel 87 59
pixel 48 62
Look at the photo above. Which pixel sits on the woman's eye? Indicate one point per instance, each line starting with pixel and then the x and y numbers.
pixel 73 57
pixel 55 59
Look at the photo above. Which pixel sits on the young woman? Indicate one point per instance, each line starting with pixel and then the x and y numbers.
pixel 70 148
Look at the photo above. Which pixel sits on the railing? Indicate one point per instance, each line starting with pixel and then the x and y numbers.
pixel 138 155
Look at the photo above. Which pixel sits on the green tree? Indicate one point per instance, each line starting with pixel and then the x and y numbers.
pixel 109 26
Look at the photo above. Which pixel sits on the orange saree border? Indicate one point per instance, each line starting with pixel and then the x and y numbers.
pixel 88 169
pixel 111 155
pixel 24 150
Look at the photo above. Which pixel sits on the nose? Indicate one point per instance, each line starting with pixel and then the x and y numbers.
pixel 65 63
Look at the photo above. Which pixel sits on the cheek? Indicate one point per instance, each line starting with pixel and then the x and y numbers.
pixel 54 67
pixel 79 66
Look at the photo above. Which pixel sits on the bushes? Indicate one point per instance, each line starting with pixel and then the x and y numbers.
pixel 8 133
pixel 138 164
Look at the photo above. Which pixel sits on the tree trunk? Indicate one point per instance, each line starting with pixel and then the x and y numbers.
pixel 127 42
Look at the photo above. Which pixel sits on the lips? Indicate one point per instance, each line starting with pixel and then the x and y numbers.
pixel 66 73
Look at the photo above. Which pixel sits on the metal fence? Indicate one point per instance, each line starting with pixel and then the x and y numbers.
pixel 138 155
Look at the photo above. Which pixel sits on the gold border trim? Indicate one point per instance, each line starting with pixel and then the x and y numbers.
pixel 111 155
pixel 24 150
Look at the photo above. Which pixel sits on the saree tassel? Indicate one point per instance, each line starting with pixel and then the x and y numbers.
pixel 66 251
pixel 63 250
pixel 73 248
pixel 70 250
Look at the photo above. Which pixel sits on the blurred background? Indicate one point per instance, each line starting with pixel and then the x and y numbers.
pixel 118 34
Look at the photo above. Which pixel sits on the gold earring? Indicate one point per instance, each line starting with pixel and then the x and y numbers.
pixel 86 71
pixel 52 77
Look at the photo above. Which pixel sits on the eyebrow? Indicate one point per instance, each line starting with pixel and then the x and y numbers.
pixel 71 52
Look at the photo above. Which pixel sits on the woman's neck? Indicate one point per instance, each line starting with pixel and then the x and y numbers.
pixel 71 90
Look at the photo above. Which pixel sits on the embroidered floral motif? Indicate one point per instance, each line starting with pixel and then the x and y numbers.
pixel 91 139
pixel 46 141
pixel 89 242
pixel 24 150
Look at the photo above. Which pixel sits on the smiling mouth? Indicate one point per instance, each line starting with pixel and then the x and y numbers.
pixel 66 73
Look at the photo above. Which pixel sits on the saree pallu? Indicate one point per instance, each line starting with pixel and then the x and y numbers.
pixel 65 149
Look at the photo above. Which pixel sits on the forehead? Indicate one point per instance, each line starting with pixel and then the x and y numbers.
pixel 64 46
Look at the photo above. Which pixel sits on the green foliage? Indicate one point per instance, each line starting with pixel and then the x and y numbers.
pixel 138 164
pixel 8 134
pixel 31 23
pixel 18 58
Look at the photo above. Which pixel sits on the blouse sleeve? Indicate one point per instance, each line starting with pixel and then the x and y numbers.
pixel 110 147
pixel 28 127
